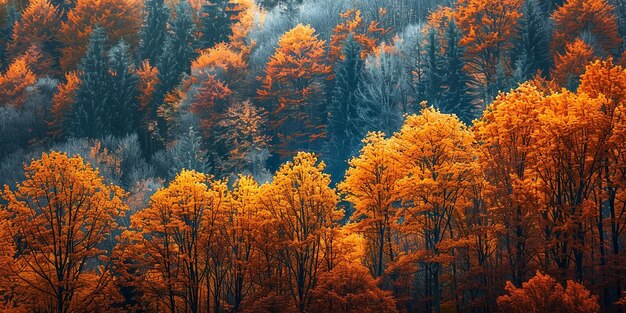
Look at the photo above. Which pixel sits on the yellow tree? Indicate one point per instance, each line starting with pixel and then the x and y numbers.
pixel 57 219
pixel 170 241
pixel 605 79
pixel 505 132
pixel 370 186
pixel 436 154
pixel 293 85
pixel 301 209
pixel 567 158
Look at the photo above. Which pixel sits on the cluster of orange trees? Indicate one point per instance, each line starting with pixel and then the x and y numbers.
pixel 443 217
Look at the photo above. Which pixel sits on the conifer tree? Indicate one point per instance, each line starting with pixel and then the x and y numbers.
pixel 123 100
pixel 343 116
pixel 86 119
pixel 153 32
pixel 533 45
pixel 182 37
pixel 217 18
pixel 433 76
pixel 188 153
pixel 456 96
pixel 6 36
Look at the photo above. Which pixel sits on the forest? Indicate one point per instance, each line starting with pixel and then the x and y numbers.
pixel 308 156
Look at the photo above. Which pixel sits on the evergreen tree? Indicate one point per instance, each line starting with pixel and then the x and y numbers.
pixel 187 153
pixel 217 18
pixel 6 35
pixel 123 100
pixel 456 97
pixel 182 37
pixel 433 71
pixel 153 32
pixel 169 76
pixel 343 116
pixel 89 110
pixel 533 46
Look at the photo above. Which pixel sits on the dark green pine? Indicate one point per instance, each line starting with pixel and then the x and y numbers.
pixel 123 101
pixel 153 31
pixel 90 108
pixel 457 98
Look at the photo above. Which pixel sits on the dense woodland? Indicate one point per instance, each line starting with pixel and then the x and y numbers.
pixel 313 156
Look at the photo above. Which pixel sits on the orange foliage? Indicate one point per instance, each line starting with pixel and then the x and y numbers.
pixel 62 102
pixel 366 35
pixel 39 24
pixel 222 59
pixel 120 20
pixel 15 80
pixel 369 184
pixel 543 293
pixel 571 64
pixel 62 212
pixel 210 103
pixel 293 79
pixel 489 28
pixel 350 288
pixel 578 17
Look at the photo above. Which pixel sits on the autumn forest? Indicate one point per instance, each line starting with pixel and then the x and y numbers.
pixel 367 156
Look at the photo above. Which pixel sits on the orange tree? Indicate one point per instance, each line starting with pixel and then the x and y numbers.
pixel 436 155
pixel 301 209
pixel 293 87
pixel 57 220
pixel 370 185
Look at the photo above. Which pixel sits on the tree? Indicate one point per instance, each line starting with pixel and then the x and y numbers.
pixel 183 36
pixel 436 158
pixel 170 240
pixel 489 29
pixel 578 18
pixel 89 112
pixel 456 97
pixel 300 208
pixel 39 25
pixel 571 64
pixel 293 85
pixel 216 21
pixel 243 132
pixel 383 91
pixel 543 293
pixel 15 80
pixel 533 45
pixel 123 106
pixel 370 185
pixel 506 131
pixel 58 218
pixel 567 157
pixel 433 76
pixel 354 29
pixel 350 288
pixel 153 31
pixel 119 19
pixel 188 153
pixel 62 104
pixel 343 128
